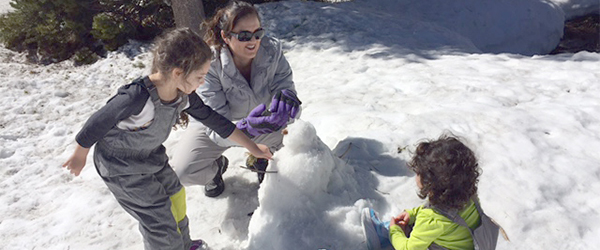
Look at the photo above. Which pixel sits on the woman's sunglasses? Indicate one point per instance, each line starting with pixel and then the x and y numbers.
pixel 245 36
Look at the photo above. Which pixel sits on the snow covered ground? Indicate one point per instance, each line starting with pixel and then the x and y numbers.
pixel 5 6
pixel 375 78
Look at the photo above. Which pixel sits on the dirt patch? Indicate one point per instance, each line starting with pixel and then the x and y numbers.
pixel 581 33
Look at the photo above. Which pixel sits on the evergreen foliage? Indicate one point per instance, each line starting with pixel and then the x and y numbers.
pixel 83 30
pixel 55 30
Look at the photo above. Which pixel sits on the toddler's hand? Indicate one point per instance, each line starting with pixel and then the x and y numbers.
pixel 401 220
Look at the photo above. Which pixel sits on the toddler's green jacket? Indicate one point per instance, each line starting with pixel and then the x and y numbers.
pixel 429 226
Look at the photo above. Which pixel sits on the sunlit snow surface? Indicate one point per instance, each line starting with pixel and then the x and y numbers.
pixel 375 78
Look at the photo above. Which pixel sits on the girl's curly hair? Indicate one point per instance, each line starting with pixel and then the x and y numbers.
pixel 448 170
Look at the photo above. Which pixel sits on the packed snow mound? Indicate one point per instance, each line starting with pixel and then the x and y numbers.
pixel 525 27
pixel 296 203
pixel 353 27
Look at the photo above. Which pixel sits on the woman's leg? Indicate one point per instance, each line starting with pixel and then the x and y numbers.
pixel 195 155
pixel 273 140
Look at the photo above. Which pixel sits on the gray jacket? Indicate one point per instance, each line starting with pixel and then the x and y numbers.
pixel 228 92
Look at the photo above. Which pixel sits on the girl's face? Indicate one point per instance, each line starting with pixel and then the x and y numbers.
pixel 248 49
pixel 190 83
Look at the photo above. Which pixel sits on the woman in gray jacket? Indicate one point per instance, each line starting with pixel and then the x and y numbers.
pixel 248 73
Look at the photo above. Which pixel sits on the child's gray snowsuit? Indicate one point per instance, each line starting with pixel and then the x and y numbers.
pixel 133 162
pixel 134 166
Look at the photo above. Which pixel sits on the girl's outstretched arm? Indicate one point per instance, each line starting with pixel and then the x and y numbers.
pixel 258 150
pixel 77 161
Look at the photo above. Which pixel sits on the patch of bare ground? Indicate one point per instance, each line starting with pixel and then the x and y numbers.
pixel 581 33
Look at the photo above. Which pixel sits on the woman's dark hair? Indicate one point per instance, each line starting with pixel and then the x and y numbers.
pixel 448 170
pixel 180 48
pixel 225 20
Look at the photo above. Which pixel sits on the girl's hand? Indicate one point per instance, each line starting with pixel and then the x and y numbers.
pixel 258 150
pixel 265 152
pixel 77 161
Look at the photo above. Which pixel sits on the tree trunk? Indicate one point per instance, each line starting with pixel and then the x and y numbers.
pixel 188 13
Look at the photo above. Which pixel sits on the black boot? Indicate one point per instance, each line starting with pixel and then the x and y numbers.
pixel 216 186
pixel 258 164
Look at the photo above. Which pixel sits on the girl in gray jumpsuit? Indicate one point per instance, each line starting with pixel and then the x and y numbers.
pixel 130 129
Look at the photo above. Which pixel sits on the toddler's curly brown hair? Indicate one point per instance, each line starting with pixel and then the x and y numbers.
pixel 448 171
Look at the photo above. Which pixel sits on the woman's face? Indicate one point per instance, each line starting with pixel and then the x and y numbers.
pixel 244 50
pixel 192 81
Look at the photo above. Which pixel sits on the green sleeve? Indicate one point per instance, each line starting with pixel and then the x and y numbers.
pixel 412 213
pixel 426 229
pixel 397 236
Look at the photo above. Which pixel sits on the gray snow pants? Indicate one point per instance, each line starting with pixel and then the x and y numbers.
pixel 148 198
pixel 195 154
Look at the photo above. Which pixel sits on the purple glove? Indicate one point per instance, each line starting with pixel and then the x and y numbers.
pixel 286 101
pixel 256 124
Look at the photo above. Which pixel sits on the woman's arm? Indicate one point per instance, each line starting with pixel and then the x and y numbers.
pixel 212 90
pixel 213 95
pixel 283 78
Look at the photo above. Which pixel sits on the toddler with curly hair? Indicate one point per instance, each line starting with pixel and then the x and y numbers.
pixel 446 174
